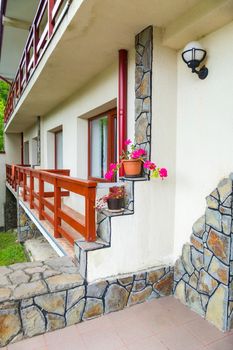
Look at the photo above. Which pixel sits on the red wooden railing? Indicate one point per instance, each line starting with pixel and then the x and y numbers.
pixel 48 16
pixel 25 178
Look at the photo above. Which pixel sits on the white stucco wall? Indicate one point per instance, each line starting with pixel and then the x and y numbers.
pixel 2 187
pixel 146 238
pixel 99 91
pixel 13 148
pixel 204 131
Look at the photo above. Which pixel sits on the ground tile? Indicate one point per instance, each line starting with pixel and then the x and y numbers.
pixel 35 343
pixel 179 314
pixel 150 343
pixel 204 331
pixel 136 329
pixel 155 320
pixel 66 338
pixel 224 344
pixel 102 340
pixel 177 338
pixel 97 324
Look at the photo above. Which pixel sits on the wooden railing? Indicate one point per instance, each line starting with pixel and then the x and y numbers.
pixel 48 16
pixel 63 184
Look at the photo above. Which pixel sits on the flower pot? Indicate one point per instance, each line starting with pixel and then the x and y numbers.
pixel 132 167
pixel 115 203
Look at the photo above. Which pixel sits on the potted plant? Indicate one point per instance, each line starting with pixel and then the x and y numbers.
pixel 115 199
pixel 132 161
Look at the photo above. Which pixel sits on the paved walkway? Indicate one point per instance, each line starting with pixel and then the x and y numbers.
pixel 162 324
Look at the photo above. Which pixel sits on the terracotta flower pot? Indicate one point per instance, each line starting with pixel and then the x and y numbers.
pixel 132 167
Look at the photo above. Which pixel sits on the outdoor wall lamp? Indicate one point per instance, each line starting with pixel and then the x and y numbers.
pixel 193 54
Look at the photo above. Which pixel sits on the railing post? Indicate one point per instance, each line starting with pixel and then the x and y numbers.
pixel 24 185
pixel 15 178
pixel 50 17
pixel 41 196
pixel 35 43
pixel 20 80
pixel 90 215
pixel 57 206
pixel 26 64
pixel 14 175
pixel 31 191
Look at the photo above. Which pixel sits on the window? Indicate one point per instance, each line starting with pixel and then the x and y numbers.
pixel 26 153
pixel 35 151
pixel 102 144
pixel 58 138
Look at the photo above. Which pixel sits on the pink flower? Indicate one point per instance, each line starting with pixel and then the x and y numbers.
pixel 109 175
pixel 128 142
pixel 149 165
pixel 112 166
pixel 138 153
pixel 163 172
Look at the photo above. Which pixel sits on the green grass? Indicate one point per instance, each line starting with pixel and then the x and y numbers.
pixel 11 252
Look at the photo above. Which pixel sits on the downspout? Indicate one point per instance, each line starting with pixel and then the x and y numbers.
pixel 122 102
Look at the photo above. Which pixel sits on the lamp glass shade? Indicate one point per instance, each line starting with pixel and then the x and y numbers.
pixel 199 53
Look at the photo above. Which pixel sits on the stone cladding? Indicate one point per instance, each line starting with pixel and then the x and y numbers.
pixel 203 275
pixel 26 227
pixel 10 211
pixel 143 88
pixel 40 297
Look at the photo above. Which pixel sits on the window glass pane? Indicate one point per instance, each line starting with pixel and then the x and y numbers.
pixel 99 146
pixel 59 150
pixel 34 150
pixel 26 153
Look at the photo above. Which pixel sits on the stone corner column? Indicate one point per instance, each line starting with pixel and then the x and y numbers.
pixel 203 275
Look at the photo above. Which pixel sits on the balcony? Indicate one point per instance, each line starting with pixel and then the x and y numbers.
pixel 42 192
pixel 48 17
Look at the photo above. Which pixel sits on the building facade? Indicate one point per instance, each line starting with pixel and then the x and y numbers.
pixel 102 62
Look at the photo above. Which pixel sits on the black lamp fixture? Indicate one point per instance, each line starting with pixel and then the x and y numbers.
pixel 193 54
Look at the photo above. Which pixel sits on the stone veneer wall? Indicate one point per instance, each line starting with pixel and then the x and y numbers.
pixel 204 273
pixel 26 228
pixel 40 297
pixel 10 211
pixel 143 88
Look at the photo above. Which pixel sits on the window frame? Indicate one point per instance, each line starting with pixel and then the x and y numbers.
pixel 112 122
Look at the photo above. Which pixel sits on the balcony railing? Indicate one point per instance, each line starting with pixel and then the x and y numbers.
pixel 48 16
pixel 32 184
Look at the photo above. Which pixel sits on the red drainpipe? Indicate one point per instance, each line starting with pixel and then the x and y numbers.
pixel 122 102
pixel 22 160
